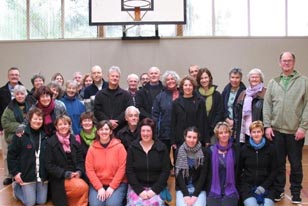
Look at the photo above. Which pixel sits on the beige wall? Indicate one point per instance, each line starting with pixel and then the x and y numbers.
pixel 218 54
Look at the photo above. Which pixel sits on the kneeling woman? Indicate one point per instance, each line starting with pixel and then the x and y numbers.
pixel 105 166
pixel 222 190
pixel 26 161
pixel 65 166
pixel 147 168
pixel 191 170
pixel 258 166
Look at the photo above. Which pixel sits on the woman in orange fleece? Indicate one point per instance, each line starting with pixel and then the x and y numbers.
pixel 105 168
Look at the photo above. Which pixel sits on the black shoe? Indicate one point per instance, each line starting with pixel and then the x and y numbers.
pixel 279 197
pixel 296 199
pixel 7 181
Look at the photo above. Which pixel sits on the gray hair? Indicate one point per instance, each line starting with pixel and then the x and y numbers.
pixel 72 83
pixel 173 74
pixel 132 108
pixel 133 76
pixel 37 76
pixel 20 88
pixel 114 69
pixel 256 71
pixel 236 70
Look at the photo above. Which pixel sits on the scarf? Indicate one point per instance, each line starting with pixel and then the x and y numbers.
pixel 257 146
pixel 230 176
pixel 251 92
pixel 65 141
pixel 209 98
pixel 20 110
pixel 182 162
pixel 88 138
pixel 47 111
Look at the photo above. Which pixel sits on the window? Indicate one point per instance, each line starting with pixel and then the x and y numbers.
pixel 267 17
pixel 13 20
pixel 45 19
pixel 297 18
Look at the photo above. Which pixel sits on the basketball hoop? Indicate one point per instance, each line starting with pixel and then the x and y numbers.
pixel 137 6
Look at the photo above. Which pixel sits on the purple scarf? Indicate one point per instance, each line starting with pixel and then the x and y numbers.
pixel 251 92
pixel 230 177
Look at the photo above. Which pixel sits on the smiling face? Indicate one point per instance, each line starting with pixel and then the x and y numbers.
pixel 45 100
pixel 191 139
pixel 132 84
pixel 205 80
pixel 38 82
pixel 223 135
pixel 97 74
pixel 154 75
pixel 87 124
pixel 287 63
pixel 104 134
pixel 63 127
pixel 71 90
pixel 146 133
pixel 171 82
pixel 59 79
pixel 132 118
pixel 188 88
pixel 36 122
pixel 20 97
pixel 114 78
pixel 13 76
pixel 254 79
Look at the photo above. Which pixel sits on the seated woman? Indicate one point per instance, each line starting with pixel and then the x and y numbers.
pixel 88 132
pixel 258 164
pixel 26 161
pixel 65 166
pixel 147 168
pixel 224 158
pixel 105 166
pixel 191 170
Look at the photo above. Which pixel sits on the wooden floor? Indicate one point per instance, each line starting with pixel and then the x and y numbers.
pixel 6 198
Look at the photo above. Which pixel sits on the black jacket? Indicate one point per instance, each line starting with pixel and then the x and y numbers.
pixel 257 111
pixel 127 137
pixel 92 89
pixel 148 170
pixel 216 113
pixel 110 104
pixel 225 97
pixel 145 98
pixel 21 155
pixel 179 120
pixel 257 168
pixel 198 177
pixel 56 164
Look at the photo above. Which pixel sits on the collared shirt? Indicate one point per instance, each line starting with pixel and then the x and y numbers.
pixel 284 80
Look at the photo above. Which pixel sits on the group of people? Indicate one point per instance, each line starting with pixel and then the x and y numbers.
pixel 95 143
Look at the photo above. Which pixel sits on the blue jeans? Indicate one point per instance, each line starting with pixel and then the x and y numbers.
pixel 31 193
pixel 180 199
pixel 251 201
pixel 116 198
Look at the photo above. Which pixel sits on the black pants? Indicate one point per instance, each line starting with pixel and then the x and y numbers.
pixel 287 146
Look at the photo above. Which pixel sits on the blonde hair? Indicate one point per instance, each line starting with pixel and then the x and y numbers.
pixel 224 125
pixel 256 124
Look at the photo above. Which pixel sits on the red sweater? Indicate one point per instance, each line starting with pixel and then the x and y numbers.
pixel 106 166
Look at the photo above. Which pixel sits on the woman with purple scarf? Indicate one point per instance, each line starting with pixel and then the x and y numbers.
pixel 222 190
pixel 249 106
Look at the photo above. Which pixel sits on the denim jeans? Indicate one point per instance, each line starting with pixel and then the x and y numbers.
pixel 116 198
pixel 180 199
pixel 251 201
pixel 287 146
pixel 31 193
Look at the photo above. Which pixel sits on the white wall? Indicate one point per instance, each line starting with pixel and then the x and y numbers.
pixel 218 54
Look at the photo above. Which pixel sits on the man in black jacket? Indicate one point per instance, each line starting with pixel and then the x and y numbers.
pixel 110 103
pixel 6 95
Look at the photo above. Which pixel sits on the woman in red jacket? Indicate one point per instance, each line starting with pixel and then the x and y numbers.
pixel 105 168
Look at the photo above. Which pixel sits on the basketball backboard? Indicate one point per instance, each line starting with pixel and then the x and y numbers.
pixel 132 12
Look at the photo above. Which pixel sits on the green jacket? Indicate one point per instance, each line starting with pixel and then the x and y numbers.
pixel 286 110
pixel 9 124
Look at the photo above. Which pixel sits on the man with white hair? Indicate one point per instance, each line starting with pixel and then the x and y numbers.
pixel 130 132
pixel 146 95
pixel 132 82
pixel 110 103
